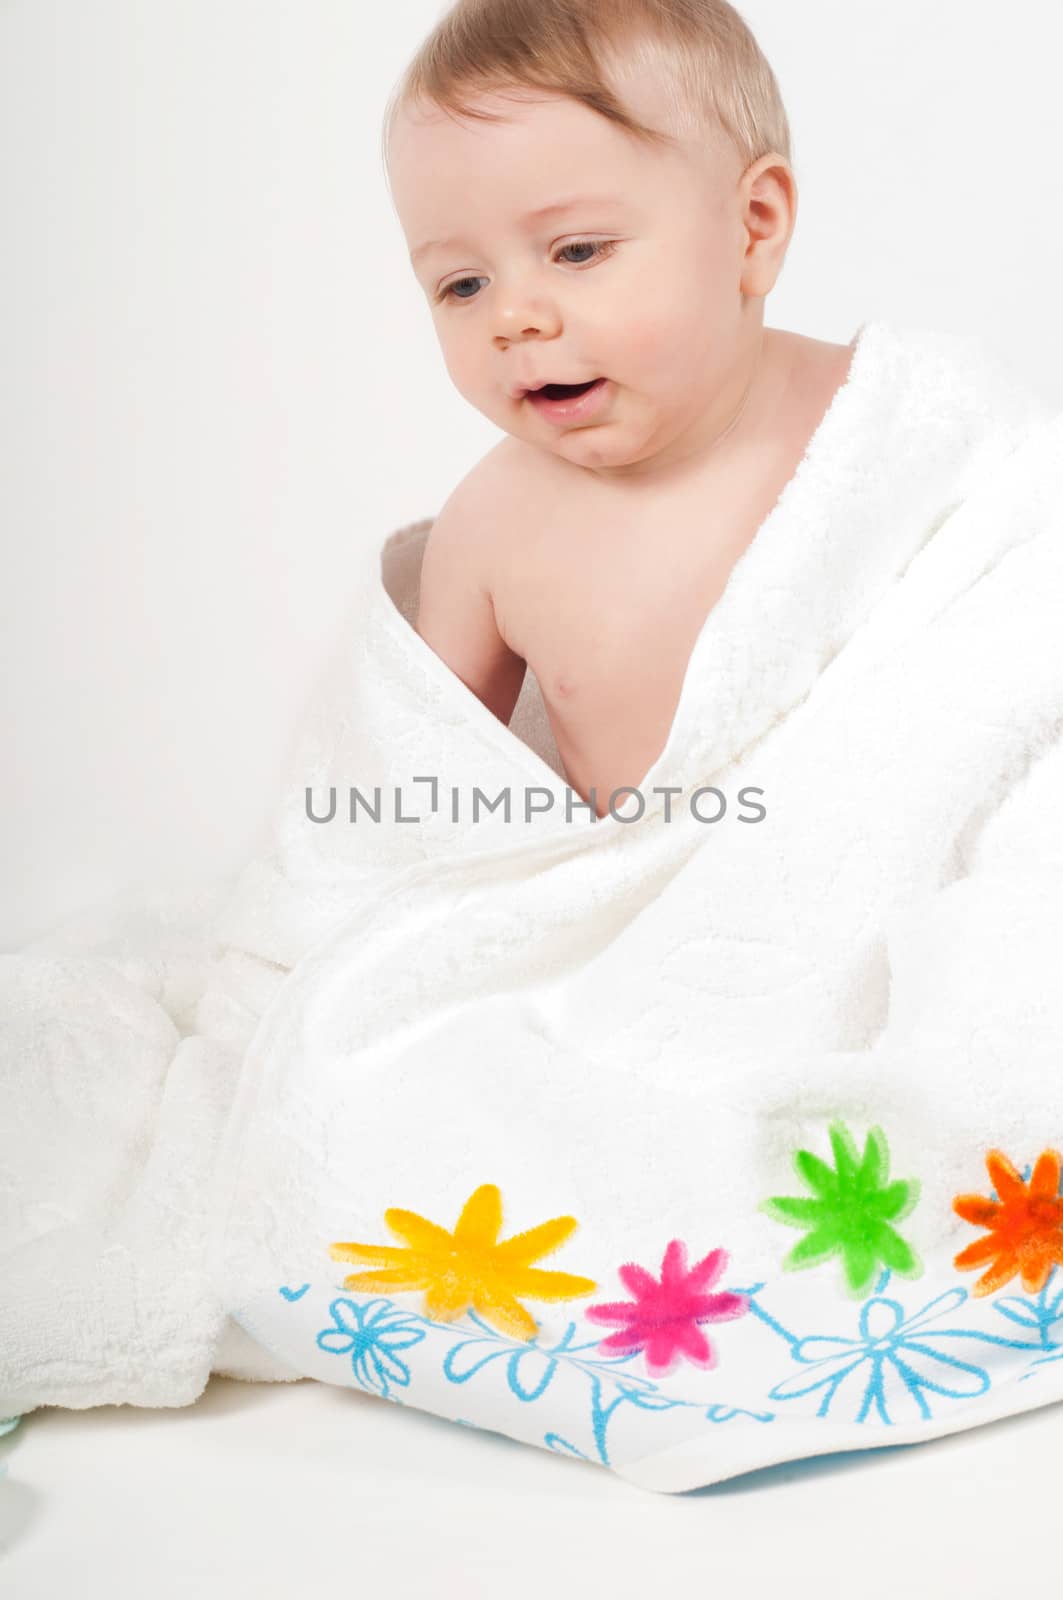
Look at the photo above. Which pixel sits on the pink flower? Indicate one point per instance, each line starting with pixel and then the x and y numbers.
pixel 663 1318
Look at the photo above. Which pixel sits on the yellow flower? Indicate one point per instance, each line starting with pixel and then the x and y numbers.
pixel 469 1267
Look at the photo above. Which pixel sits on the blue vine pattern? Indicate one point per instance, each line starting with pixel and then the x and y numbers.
pixel 910 1351
pixel 846 1375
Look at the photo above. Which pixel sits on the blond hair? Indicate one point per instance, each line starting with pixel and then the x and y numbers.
pixel 713 71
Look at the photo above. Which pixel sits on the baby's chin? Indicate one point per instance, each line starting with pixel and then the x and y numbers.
pixel 617 441
pixel 602 446
pixel 590 446
pixel 601 437
pixel 621 437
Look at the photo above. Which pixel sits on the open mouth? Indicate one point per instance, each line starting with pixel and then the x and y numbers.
pixel 565 391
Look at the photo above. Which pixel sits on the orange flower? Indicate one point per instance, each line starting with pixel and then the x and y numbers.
pixel 1025 1225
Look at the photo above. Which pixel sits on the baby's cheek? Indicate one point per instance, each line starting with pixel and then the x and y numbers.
pixel 631 343
pixel 654 345
pixel 465 372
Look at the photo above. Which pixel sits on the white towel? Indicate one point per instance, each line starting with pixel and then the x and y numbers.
pixel 691 1047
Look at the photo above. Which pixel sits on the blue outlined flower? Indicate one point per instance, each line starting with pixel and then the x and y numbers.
pixel 530 1367
pixel 891 1350
pixel 1040 1317
pixel 370 1334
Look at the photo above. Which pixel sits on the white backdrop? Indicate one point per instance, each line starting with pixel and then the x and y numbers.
pixel 220 389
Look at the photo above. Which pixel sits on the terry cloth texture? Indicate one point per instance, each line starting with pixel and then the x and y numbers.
pixel 717 1132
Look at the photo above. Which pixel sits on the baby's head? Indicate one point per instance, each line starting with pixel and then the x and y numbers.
pixel 660 125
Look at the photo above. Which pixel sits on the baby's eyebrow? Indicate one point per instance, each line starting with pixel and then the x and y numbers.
pixel 555 208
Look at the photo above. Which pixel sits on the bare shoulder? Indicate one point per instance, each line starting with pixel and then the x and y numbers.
pixel 456 615
pixel 484 516
pixel 816 364
pixel 510 471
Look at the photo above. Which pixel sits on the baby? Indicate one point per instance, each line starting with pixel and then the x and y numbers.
pixel 597 197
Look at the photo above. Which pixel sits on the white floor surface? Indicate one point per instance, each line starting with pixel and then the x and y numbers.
pixel 268 1490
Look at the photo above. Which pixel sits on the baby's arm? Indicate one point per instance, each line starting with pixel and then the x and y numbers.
pixel 455 615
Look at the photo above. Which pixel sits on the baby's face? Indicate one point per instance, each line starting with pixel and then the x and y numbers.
pixel 638 280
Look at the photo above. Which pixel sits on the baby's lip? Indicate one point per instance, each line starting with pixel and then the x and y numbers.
pixel 522 390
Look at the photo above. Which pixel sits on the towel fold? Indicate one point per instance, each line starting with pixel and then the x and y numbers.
pixel 720 1131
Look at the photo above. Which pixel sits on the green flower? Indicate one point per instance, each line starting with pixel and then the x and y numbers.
pixel 851 1211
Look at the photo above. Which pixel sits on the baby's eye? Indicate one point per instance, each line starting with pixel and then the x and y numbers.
pixel 597 247
pixel 446 293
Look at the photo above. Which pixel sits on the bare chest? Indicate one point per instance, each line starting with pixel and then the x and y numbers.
pixel 606 594
pixel 606 607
